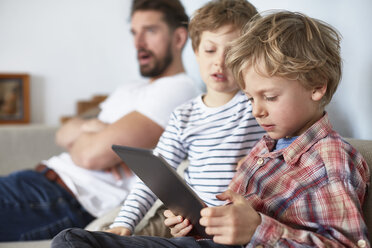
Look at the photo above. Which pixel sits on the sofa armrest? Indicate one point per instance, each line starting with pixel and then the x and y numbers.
pixel 24 146
pixel 365 148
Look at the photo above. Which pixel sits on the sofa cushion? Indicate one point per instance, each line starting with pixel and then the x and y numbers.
pixel 365 148
pixel 24 146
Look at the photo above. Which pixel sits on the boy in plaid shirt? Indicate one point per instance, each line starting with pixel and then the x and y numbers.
pixel 301 185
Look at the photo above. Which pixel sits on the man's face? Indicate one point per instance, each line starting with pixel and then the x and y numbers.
pixel 153 41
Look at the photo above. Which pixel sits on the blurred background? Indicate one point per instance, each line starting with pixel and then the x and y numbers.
pixel 74 49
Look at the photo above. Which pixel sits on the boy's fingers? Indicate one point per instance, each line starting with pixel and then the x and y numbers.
pixel 214 211
pixel 167 213
pixel 230 196
pixel 216 231
pixel 181 229
pixel 212 221
pixel 224 195
pixel 223 239
pixel 185 231
pixel 173 220
pixel 233 199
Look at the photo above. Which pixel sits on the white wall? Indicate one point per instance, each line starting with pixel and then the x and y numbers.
pixel 76 48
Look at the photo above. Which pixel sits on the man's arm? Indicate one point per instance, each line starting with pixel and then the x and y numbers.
pixel 92 150
pixel 69 132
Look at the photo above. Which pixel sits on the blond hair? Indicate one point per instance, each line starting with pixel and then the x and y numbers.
pixel 291 45
pixel 218 13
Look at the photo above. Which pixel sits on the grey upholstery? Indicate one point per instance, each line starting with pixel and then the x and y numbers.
pixel 365 148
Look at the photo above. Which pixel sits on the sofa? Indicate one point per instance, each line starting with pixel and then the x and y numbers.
pixel 23 146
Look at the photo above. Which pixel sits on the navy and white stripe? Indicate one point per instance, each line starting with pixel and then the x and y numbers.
pixel 212 139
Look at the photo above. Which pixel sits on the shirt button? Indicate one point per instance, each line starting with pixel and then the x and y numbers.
pixel 362 243
pixel 260 161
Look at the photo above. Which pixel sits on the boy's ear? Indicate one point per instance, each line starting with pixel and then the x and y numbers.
pixel 318 92
pixel 180 37
pixel 196 52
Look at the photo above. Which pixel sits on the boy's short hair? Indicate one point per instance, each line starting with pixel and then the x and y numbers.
pixel 173 11
pixel 291 45
pixel 218 13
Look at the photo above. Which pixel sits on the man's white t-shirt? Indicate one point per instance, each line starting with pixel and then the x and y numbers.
pixel 97 191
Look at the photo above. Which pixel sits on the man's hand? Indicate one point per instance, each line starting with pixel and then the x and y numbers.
pixel 73 128
pixel 93 126
pixel 69 132
pixel 178 225
pixel 119 230
pixel 92 149
pixel 232 224
pixel 115 171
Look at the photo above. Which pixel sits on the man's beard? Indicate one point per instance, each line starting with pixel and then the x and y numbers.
pixel 160 64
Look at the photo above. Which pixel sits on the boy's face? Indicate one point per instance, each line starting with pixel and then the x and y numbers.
pixel 153 41
pixel 211 58
pixel 283 107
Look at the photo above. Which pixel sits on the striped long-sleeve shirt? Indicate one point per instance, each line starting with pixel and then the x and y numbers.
pixel 309 194
pixel 212 139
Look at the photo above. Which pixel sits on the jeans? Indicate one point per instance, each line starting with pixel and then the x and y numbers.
pixel 80 238
pixel 34 208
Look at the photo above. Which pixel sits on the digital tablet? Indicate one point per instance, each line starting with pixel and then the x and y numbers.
pixel 165 183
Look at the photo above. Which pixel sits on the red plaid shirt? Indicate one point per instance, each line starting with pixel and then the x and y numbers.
pixel 308 194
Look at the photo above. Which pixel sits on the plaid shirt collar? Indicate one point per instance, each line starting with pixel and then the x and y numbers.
pixel 302 144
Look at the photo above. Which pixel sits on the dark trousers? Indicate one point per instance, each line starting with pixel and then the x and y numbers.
pixel 33 207
pixel 80 238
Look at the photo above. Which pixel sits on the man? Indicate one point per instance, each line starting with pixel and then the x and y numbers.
pixel 72 188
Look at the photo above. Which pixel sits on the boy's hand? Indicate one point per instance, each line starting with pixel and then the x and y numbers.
pixel 179 227
pixel 119 230
pixel 232 224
